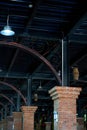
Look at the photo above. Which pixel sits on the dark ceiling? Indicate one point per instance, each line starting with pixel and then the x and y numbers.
pixel 38 33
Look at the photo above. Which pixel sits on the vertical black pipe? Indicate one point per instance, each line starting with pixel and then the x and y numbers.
pixel 29 95
pixel 1 114
pixel 18 102
pixel 65 64
pixel 5 114
pixel 11 109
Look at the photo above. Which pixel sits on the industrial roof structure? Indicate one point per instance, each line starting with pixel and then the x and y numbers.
pixel 31 60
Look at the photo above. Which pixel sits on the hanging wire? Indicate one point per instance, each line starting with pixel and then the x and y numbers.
pixel 8 20
pixel 40 85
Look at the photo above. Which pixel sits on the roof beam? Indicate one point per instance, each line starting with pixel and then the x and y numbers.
pixel 29 21
pixel 45 37
pixel 24 76
pixel 12 62
pixel 79 57
pixel 51 54
pixel 77 25
pixel 77 41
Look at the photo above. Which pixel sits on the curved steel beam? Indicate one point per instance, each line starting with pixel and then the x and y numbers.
pixel 1 113
pixel 84 107
pixel 2 104
pixel 33 52
pixel 2 95
pixel 15 89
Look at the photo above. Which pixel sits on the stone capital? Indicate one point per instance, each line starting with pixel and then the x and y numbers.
pixel 28 109
pixel 17 114
pixel 64 92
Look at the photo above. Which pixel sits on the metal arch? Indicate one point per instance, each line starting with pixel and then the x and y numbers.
pixel 2 95
pixel 84 107
pixel 15 89
pixel 2 104
pixel 1 113
pixel 33 52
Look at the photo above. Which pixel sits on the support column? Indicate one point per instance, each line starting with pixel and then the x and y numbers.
pixel 65 107
pixel 10 123
pixel 1 125
pixel 80 124
pixel 17 119
pixel 65 63
pixel 29 87
pixel 48 125
pixel 18 102
pixel 11 109
pixel 28 117
pixel 4 122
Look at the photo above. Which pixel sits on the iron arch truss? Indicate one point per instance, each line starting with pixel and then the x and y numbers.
pixel 4 96
pixel 35 53
pixel 14 88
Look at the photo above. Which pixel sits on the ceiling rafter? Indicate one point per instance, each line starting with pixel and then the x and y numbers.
pixel 76 26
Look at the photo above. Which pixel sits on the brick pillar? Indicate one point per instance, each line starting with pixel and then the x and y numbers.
pixel 80 124
pixel 48 125
pixel 4 122
pixel 28 117
pixel 17 119
pixel 10 123
pixel 65 107
pixel 1 125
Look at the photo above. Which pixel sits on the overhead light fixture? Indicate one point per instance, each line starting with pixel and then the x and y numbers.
pixel 7 31
pixel 30 5
pixel 40 87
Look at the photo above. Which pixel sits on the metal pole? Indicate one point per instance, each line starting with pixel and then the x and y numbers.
pixel 11 109
pixel 2 114
pixel 29 86
pixel 18 102
pixel 62 63
pixel 65 65
pixel 5 114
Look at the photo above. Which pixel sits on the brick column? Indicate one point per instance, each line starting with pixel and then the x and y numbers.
pixel 80 124
pixel 1 125
pixel 17 120
pixel 48 125
pixel 65 107
pixel 4 121
pixel 10 123
pixel 28 117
